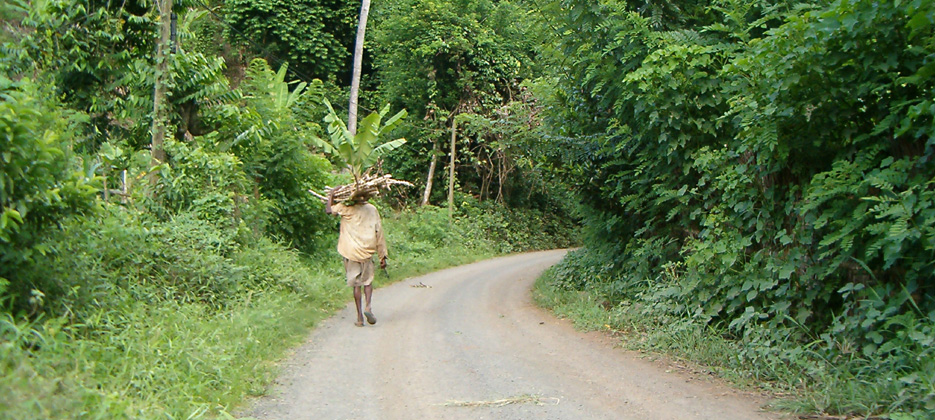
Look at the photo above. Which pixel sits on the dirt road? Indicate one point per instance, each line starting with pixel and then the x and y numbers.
pixel 474 346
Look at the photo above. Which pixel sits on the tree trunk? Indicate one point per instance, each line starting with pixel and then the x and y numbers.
pixel 428 181
pixel 125 187
pixel 451 170
pixel 358 59
pixel 501 175
pixel 106 187
pixel 159 94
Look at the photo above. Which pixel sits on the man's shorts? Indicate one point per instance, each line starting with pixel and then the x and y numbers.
pixel 358 273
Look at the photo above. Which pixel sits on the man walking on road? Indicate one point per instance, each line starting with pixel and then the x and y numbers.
pixel 361 236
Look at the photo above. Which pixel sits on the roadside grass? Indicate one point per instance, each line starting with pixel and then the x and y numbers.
pixel 803 384
pixel 144 353
pixel 683 342
pixel 152 360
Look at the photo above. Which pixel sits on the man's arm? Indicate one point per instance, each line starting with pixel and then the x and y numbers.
pixel 330 201
pixel 381 243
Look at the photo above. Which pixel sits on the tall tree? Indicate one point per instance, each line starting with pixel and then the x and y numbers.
pixel 162 78
pixel 358 59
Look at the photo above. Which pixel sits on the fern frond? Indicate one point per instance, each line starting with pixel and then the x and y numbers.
pixel 681 37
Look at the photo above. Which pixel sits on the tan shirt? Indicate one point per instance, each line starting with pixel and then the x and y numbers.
pixel 361 232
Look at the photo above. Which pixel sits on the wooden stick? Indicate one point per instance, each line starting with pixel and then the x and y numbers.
pixel 319 196
pixel 364 189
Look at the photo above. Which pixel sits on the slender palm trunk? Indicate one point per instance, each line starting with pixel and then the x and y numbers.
pixel 358 59
pixel 451 169
pixel 431 176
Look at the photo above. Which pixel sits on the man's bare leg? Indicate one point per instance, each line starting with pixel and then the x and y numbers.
pixel 360 314
pixel 368 292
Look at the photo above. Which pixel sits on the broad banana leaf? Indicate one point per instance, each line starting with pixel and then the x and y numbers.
pixel 367 133
pixel 394 121
pixel 382 150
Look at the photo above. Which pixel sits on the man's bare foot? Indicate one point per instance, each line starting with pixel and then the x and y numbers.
pixel 370 318
pixel 359 323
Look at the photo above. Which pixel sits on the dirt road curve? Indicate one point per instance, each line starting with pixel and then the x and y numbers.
pixel 473 346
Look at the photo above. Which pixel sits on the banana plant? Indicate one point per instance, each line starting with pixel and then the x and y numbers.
pixel 283 99
pixel 363 149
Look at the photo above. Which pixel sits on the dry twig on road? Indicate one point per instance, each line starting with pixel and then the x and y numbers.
pixel 522 399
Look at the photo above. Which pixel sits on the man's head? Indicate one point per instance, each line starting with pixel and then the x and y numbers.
pixel 357 200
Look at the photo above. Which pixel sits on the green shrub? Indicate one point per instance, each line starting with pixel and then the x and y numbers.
pixel 95 262
pixel 266 131
pixel 41 182
pixel 208 182
pixel 520 229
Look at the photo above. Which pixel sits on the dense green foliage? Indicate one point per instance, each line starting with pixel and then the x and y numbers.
pixel 317 36
pixel 764 169
pixel 139 289
pixel 273 142
pixel 83 51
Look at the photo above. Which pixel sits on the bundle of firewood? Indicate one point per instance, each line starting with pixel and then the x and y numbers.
pixel 367 187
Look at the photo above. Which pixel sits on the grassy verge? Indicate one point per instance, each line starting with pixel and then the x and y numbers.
pixel 590 312
pixel 798 380
pixel 163 360
pixel 702 350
